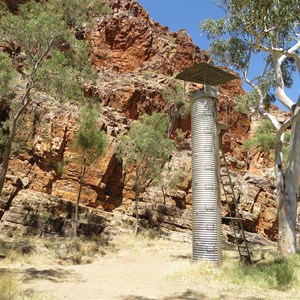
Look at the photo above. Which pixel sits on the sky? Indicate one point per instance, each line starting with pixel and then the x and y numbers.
pixel 184 14
pixel 188 14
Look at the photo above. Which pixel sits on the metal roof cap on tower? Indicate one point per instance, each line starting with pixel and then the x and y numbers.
pixel 205 74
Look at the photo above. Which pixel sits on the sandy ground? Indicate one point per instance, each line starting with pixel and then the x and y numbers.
pixel 134 274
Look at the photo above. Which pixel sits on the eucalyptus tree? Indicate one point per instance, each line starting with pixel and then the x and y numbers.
pixel 268 29
pixel 90 142
pixel 40 53
pixel 145 149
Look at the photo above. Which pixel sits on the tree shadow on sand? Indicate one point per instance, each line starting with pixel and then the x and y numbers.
pixel 189 295
pixel 57 275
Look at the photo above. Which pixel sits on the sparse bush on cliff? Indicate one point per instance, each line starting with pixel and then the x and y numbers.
pixel 176 105
pixel 264 137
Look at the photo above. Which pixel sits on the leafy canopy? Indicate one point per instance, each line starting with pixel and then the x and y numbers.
pixel 44 46
pixel 7 75
pixel 249 29
pixel 90 142
pixel 78 13
pixel 146 146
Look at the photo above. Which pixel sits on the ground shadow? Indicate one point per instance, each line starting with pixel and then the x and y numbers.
pixel 131 297
pixel 183 257
pixel 56 275
pixel 191 295
pixel 187 295
pixel 230 297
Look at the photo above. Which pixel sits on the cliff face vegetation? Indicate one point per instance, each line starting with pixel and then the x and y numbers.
pixel 136 59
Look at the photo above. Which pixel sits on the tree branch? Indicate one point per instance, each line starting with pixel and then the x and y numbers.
pixel 227 63
pixel 256 88
pixel 246 70
pixel 25 100
pixel 282 97
pixel 272 118
pixel 287 124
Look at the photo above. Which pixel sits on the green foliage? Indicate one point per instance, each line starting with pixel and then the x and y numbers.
pixel 3 129
pixel 146 147
pixel 278 273
pixel 25 29
pixel 248 144
pixel 288 70
pixel 78 13
pixel 176 104
pixel 175 179
pixel 245 103
pixel 174 95
pixel 60 166
pixel 61 85
pixel 90 142
pixel 263 138
pixel 147 74
pixel 264 127
pixel 251 15
pixel 179 135
pixel 7 75
pixel 3 8
pixel 231 50
pixel 214 28
pixel 45 53
pixel 250 24
pixel 54 48
pixel 265 141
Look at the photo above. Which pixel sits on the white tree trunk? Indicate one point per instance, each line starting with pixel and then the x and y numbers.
pixel 288 193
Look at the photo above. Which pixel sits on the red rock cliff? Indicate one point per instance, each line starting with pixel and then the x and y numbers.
pixel 135 58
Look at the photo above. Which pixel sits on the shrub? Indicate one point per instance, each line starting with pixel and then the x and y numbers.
pixel 263 138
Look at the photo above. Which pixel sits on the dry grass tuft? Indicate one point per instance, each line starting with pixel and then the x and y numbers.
pixel 9 287
pixel 145 241
pixel 11 290
pixel 188 271
pixel 19 251
pixel 78 250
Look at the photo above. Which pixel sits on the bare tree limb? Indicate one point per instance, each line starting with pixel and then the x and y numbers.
pixel 287 124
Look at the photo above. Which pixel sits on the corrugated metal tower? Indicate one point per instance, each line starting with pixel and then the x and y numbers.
pixel 207 227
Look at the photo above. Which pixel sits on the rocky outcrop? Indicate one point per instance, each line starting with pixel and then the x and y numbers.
pixel 128 40
pixel 37 213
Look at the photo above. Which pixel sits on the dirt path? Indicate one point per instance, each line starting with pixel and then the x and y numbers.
pixel 132 275
pixel 127 276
